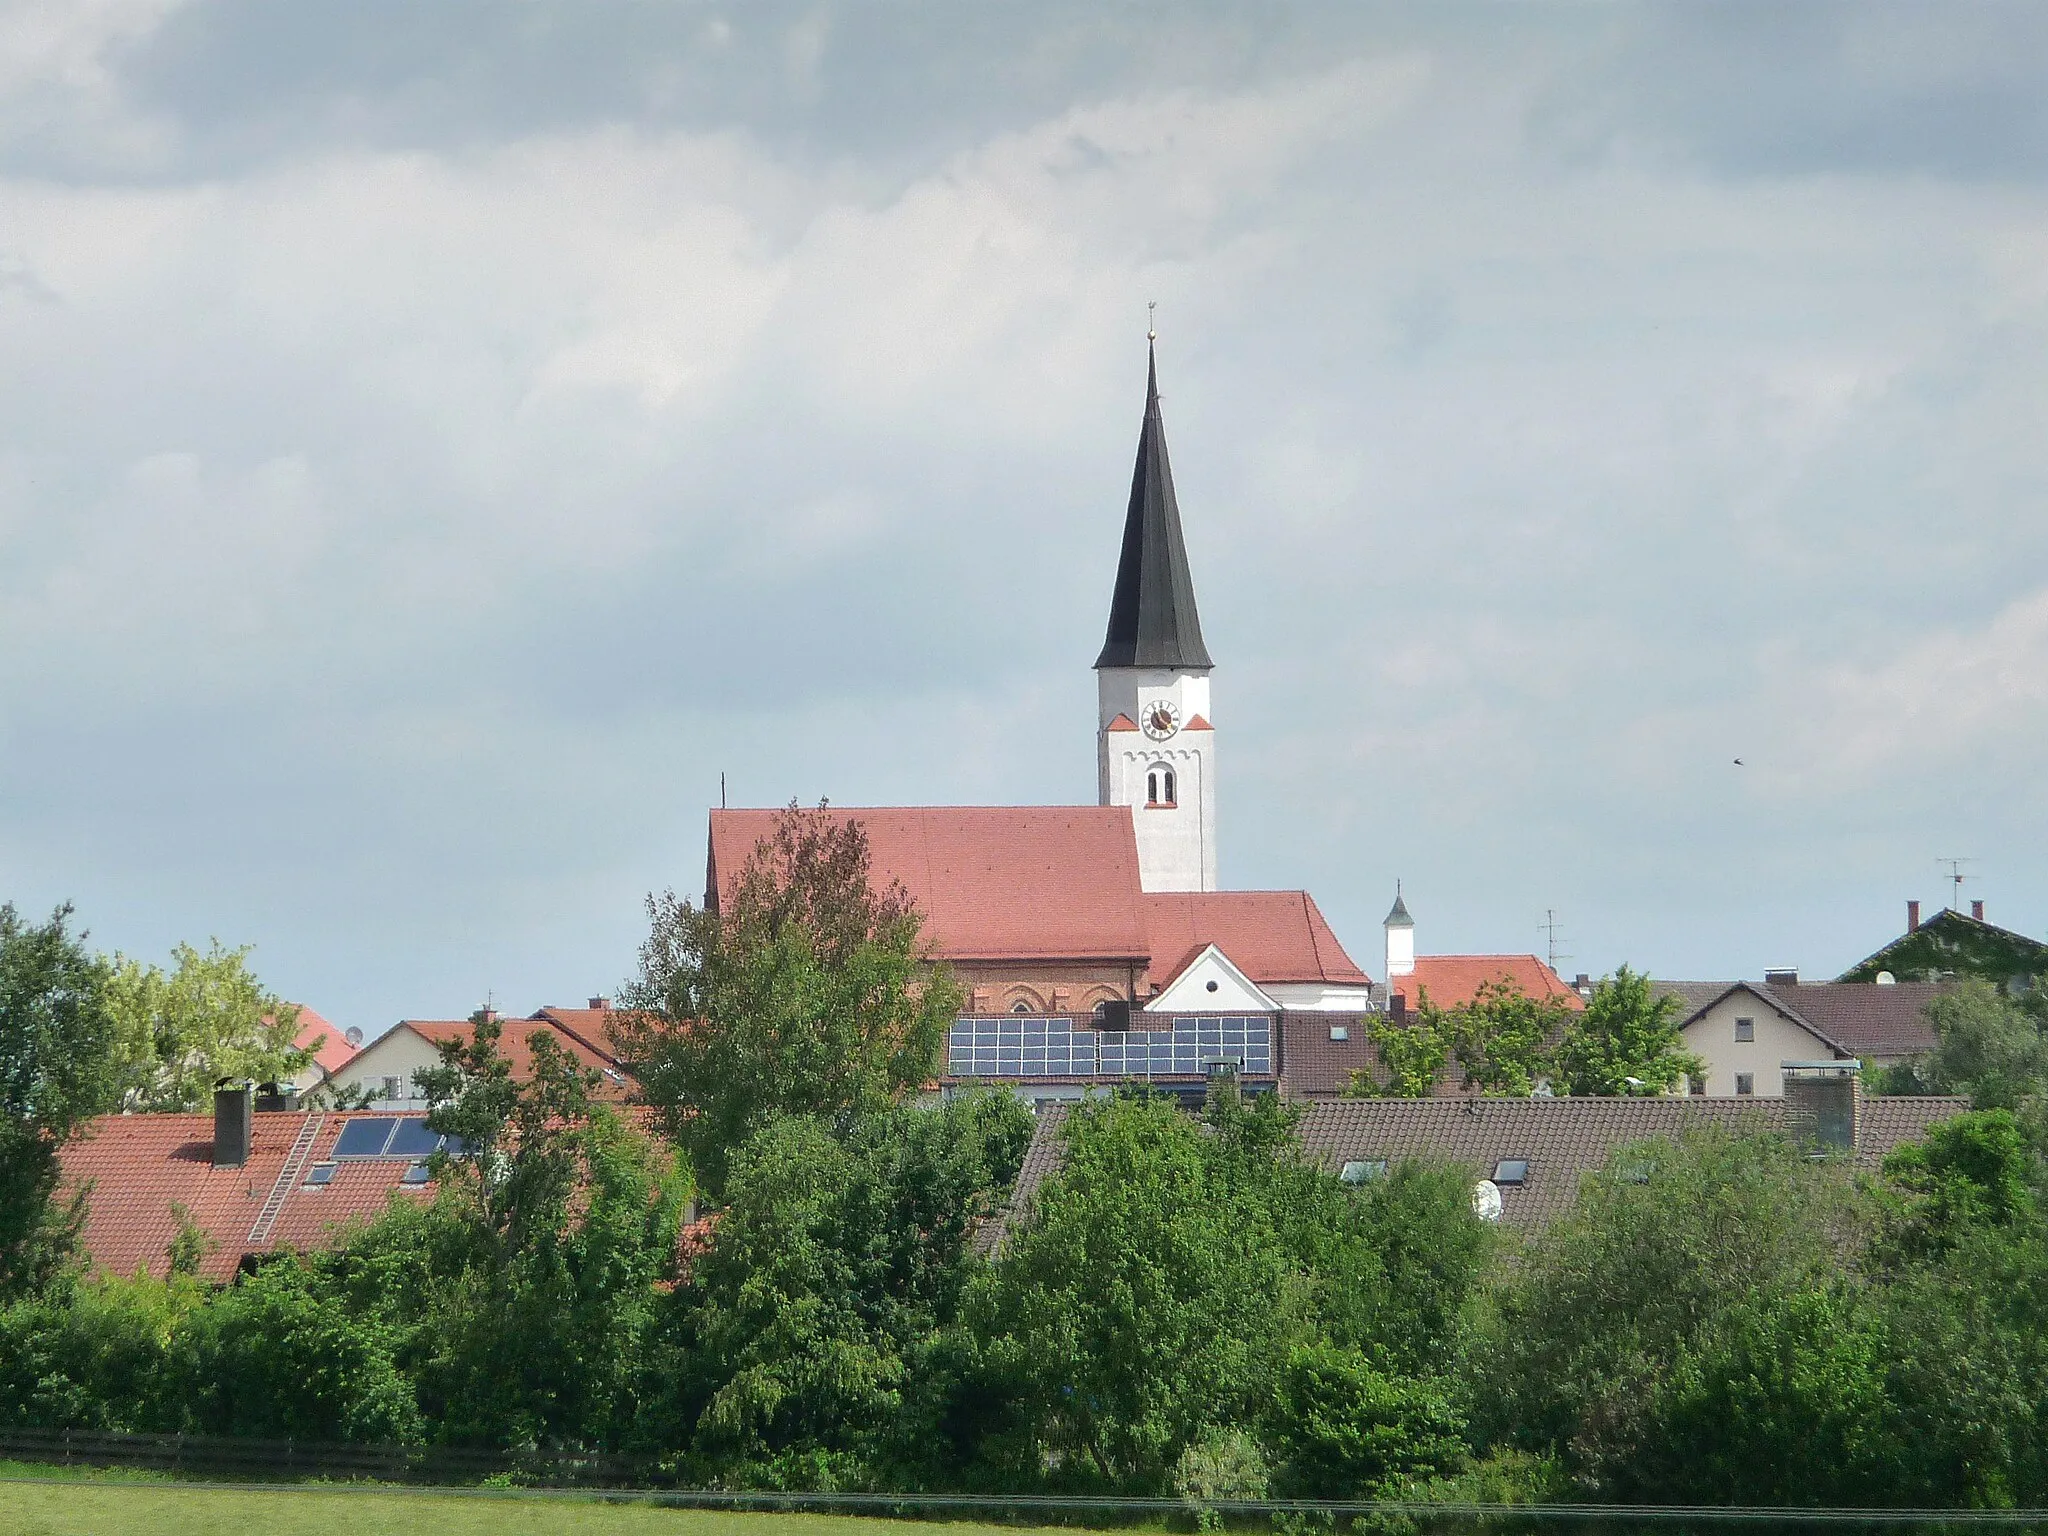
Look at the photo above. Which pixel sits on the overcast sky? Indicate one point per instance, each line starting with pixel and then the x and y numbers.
pixel 437 441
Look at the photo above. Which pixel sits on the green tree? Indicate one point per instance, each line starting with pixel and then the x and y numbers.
pixel 1580 1333
pixel 1969 1171
pixel 1988 1046
pixel 1147 1302
pixel 1412 1054
pixel 1342 1429
pixel 58 1067
pixel 1501 1040
pixel 833 1265
pixel 1625 1042
pixel 208 1018
pixel 805 993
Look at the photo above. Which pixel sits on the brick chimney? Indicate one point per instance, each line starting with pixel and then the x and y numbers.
pixel 600 1003
pixel 1977 910
pixel 1912 917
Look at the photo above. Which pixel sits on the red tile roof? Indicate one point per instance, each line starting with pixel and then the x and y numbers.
pixel 1123 723
pixel 137 1165
pixel 516 1045
pixel 333 1048
pixel 1272 936
pixel 1198 724
pixel 1454 980
pixel 993 882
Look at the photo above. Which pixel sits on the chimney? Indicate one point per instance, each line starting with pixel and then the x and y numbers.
pixel 600 1003
pixel 1397 1007
pixel 232 1113
pixel 1912 917
pixel 1824 1104
pixel 1977 910
pixel 1785 976
pixel 1583 984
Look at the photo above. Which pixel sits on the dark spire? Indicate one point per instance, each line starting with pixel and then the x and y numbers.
pixel 1152 618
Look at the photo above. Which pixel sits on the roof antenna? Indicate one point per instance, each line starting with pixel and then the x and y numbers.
pixel 721 789
pixel 1956 877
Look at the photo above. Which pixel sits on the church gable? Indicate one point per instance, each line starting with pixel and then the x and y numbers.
pixel 1210 983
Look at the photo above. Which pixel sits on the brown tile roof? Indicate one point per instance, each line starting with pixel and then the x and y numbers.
pixel 1563 1139
pixel 1454 980
pixel 137 1165
pixel 1314 1065
pixel 1272 936
pixel 516 1045
pixel 1041 1158
pixel 1692 995
pixel 993 882
pixel 1864 1018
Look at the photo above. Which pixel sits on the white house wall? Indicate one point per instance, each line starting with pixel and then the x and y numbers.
pixel 1711 1037
pixel 397 1057
pixel 1211 984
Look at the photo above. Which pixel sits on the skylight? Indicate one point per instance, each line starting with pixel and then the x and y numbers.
pixel 1364 1172
pixel 319 1174
pixel 1511 1171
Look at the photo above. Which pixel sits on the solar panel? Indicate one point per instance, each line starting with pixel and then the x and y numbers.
pixel 412 1139
pixel 1030 1046
pixel 363 1138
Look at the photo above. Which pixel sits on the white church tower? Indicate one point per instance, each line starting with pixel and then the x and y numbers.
pixel 1156 748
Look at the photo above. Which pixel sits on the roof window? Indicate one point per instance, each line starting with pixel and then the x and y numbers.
pixel 416 1174
pixel 1511 1171
pixel 1364 1172
pixel 319 1174
pixel 1340 1031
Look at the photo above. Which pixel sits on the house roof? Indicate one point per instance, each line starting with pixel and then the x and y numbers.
pixel 1856 1018
pixel 1952 942
pixel 1454 980
pixel 1692 995
pixel 333 1048
pixel 992 882
pixel 1272 936
pixel 1312 1065
pixel 1564 1139
pixel 515 1043
pixel 138 1165
pixel 1152 618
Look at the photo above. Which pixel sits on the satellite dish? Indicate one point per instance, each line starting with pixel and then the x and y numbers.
pixel 1886 979
pixel 1486 1200
pixel 352 1035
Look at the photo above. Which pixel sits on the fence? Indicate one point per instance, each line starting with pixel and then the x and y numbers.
pixel 283 1464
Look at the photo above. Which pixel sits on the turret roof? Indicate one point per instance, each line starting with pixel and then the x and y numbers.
pixel 1152 618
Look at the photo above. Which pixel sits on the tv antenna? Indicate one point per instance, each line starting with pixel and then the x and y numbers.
pixel 1956 877
pixel 1552 937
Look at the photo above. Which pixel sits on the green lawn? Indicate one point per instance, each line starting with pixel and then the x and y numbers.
pixel 100 1508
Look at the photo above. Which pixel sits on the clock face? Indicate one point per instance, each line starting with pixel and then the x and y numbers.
pixel 1161 720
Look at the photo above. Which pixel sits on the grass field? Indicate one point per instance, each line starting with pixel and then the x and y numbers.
pixel 148 1507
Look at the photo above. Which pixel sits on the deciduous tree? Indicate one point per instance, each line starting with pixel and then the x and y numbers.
pixel 1625 1042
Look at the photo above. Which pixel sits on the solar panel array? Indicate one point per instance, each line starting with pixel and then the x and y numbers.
pixel 388 1136
pixel 1031 1046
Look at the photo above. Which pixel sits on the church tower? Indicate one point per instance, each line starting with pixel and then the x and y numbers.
pixel 1155 747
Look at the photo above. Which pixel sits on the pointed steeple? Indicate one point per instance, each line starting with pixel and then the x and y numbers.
pixel 1152 618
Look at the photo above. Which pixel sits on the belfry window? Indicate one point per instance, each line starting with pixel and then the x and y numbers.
pixel 1159 787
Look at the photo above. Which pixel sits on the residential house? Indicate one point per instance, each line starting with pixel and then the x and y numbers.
pixel 388 1067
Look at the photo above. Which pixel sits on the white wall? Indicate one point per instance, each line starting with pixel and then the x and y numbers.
pixel 1711 1037
pixel 400 1054
pixel 1211 984
pixel 1176 846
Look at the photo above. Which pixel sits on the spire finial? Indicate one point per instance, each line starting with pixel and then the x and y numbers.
pixel 1151 315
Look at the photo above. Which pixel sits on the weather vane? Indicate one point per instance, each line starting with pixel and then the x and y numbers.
pixel 1151 330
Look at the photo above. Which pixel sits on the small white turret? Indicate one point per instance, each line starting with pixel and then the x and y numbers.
pixel 1400 939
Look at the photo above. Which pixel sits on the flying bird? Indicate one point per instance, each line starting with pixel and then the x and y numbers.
pixel 1738 762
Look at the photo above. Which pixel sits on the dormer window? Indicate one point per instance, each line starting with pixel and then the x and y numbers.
pixel 1159 787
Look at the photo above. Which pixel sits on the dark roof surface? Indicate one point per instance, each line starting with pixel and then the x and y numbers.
pixel 1312 1065
pixel 1040 1159
pixel 1953 942
pixel 1564 1139
pixel 1152 618
pixel 1692 995
pixel 1864 1018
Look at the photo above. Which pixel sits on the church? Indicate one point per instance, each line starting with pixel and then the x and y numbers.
pixel 1093 942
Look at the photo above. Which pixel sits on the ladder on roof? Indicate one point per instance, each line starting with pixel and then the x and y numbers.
pixel 288 1175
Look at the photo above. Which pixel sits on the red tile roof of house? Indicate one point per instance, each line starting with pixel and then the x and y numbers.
pixel 515 1044
pixel 1272 936
pixel 1454 980
pixel 138 1165
pixel 332 1049
pixel 992 882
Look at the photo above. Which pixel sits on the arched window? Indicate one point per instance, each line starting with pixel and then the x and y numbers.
pixel 1020 1006
pixel 1159 786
